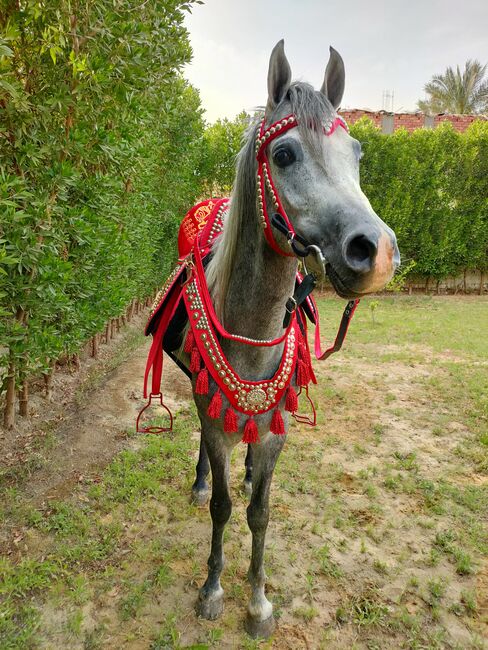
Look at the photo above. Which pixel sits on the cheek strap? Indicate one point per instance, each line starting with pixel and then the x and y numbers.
pixel 300 247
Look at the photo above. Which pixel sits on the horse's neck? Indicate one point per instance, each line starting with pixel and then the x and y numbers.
pixel 261 281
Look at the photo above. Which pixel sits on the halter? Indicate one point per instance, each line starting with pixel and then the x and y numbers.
pixel 265 182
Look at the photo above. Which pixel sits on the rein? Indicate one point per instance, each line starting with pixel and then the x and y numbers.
pixel 300 247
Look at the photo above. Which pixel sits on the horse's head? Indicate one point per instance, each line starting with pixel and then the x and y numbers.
pixel 315 170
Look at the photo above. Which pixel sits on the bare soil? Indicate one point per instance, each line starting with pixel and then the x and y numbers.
pixel 356 486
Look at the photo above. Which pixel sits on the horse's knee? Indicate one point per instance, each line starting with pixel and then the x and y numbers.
pixel 220 509
pixel 257 516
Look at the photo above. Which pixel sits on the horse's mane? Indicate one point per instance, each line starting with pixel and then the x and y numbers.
pixel 312 110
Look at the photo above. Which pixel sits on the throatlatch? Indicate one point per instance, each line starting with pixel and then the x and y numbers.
pixel 186 289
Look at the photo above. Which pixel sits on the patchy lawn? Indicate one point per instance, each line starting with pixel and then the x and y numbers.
pixel 378 533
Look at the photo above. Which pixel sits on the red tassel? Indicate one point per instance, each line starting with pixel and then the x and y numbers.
pixel 201 386
pixel 302 350
pixel 303 376
pixel 291 402
pixel 251 434
pixel 215 407
pixel 277 425
pixel 230 421
pixel 189 342
pixel 196 360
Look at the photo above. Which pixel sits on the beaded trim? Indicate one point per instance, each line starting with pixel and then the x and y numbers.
pixel 245 396
pixel 218 224
pixel 164 290
pixel 264 181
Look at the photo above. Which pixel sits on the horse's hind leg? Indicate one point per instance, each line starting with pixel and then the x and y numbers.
pixel 210 604
pixel 247 483
pixel 199 489
pixel 260 621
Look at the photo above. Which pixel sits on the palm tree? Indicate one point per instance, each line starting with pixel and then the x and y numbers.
pixel 456 91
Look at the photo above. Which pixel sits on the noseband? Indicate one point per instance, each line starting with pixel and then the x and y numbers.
pixel 300 247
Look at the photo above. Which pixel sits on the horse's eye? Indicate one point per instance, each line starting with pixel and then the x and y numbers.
pixel 283 157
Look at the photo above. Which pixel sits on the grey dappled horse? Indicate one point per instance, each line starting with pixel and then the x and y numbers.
pixel 317 178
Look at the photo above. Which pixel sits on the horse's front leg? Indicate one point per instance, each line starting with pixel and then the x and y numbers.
pixel 199 489
pixel 260 621
pixel 211 597
pixel 247 483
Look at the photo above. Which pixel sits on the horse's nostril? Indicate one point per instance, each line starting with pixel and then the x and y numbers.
pixel 360 252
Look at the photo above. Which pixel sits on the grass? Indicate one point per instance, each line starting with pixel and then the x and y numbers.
pixel 441 324
pixel 377 529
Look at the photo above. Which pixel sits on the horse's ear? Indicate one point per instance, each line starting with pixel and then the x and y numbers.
pixel 279 75
pixel 334 79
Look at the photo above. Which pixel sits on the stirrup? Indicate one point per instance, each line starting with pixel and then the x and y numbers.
pixel 154 429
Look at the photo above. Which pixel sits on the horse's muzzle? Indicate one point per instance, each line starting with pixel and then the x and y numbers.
pixel 368 262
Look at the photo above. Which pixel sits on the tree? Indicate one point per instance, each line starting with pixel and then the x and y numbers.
pixel 222 142
pixel 93 113
pixel 457 92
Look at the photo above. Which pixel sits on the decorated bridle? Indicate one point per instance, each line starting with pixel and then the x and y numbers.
pixel 279 219
pixel 299 246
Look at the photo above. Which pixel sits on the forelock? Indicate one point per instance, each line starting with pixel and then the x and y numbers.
pixel 312 110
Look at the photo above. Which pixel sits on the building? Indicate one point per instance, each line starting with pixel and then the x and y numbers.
pixel 389 122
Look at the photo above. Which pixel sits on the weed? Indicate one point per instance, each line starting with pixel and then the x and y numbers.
pixel 163 577
pixel 307 613
pixel 406 461
pixel 215 635
pixel 168 637
pixel 134 599
pixel 327 566
pixel 381 567
pixel 74 623
pixel 368 610
pixel 468 599
pixel 436 589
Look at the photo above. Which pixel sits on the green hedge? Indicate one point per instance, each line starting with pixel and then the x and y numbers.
pixel 99 141
pixel 431 187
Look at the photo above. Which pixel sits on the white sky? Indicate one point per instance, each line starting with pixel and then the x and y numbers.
pixel 395 46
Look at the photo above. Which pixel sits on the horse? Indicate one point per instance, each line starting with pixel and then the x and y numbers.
pixel 300 165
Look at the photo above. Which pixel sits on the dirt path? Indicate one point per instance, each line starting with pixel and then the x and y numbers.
pixel 95 429
pixel 93 432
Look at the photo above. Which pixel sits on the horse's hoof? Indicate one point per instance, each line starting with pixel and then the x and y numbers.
pixel 199 497
pixel 247 488
pixel 210 608
pixel 259 629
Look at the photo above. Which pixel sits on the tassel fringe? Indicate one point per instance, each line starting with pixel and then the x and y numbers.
pixel 291 402
pixel 196 360
pixel 303 375
pixel 189 342
pixel 251 434
pixel 277 425
pixel 230 421
pixel 201 386
pixel 215 407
